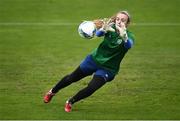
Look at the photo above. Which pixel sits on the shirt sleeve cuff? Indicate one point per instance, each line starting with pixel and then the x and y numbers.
pixel 100 33
pixel 128 44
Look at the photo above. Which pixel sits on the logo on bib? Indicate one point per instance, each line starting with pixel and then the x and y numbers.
pixel 119 41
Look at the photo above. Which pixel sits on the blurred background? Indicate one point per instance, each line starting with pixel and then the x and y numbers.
pixel 39 44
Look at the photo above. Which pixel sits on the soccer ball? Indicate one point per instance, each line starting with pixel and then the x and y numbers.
pixel 87 29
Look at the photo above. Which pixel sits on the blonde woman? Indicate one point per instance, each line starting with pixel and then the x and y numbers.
pixel 103 63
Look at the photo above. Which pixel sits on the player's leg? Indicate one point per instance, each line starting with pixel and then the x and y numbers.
pixel 87 67
pixel 100 77
pixel 94 85
pixel 65 81
pixel 75 76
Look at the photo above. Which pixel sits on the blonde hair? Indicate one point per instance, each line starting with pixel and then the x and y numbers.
pixel 99 22
pixel 113 18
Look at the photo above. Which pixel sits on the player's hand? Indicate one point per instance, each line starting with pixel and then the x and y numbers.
pixel 98 23
pixel 122 31
pixel 103 26
pixel 107 23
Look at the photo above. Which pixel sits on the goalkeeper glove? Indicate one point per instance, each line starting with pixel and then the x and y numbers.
pixel 107 23
pixel 106 26
pixel 122 31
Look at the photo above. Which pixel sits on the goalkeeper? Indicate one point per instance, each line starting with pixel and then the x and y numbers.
pixel 103 63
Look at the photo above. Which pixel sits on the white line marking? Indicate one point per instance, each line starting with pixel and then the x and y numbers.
pixel 36 24
pixel 73 24
pixel 156 24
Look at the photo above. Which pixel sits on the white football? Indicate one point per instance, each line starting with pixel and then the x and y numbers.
pixel 87 29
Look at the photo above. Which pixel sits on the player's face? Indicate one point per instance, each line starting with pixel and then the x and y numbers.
pixel 121 18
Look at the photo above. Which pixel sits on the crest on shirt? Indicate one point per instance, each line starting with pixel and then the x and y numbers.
pixel 119 41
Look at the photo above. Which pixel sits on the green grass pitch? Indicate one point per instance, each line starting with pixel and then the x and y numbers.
pixel 39 44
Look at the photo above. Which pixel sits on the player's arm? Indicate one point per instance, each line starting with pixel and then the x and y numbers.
pixel 128 41
pixel 99 23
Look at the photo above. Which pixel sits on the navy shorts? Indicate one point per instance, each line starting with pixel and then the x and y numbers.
pixel 88 66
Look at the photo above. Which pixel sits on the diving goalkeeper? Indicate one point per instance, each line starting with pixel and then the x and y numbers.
pixel 103 63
